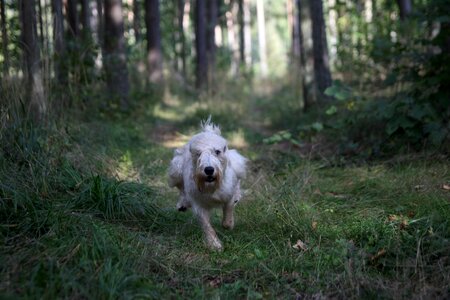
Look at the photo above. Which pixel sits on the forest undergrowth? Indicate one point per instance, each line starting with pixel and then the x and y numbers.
pixel 86 212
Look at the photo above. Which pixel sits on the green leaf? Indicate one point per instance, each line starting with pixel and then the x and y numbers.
pixel 331 110
pixel 342 95
pixel 331 90
pixel 317 126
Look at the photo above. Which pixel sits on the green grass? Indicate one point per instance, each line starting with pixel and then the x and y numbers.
pixel 86 213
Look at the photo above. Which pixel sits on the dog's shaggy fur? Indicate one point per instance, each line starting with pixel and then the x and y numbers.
pixel 208 175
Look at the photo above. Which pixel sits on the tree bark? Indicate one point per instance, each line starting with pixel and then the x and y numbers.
pixel 182 4
pixel 233 36
pixel 212 14
pixel 37 107
pixel 322 73
pixel 200 44
pixel 241 31
pixel 41 23
pixel 5 41
pixel 58 37
pixel 307 101
pixel 154 53
pixel 137 19
pixel 247 33
pixel 114 60
pixel 85 17
pixel 72 17
pixel 100 24
pixel 405 8
pixel 262 37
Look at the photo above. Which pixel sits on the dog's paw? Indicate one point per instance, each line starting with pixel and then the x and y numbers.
pixel 214 244
pixel 228 224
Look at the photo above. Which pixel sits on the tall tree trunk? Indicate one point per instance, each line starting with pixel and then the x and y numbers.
pixel 41 23
pixel 182 4
pixel 85 17
pixel 72 17
pixel 212 14
pixel 405 7
pixel 233 35
pixel 200 44
pixel 241 31
pixel 101 24
pixel 154 53
pixel 307 99
pixel 4 38
pixel 37 108
pixel 322 73
pixel 247 33
pixel 114 60
pixel 262 37
pixel 58 36
pixel 137 19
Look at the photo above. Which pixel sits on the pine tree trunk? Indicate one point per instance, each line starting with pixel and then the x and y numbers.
pixel 212 13
pixel 114 60
pixel 72 17
pixel 322 73
pixel 37 107
pixel 405 8
pixel 58 36
pixel 200 44
pixel 137 19
pixel 247 33
pixel 262 37
pixel 301 53
pixel 100 24
pixel 241 31
pixel 85 17
pixel 4 38
pixel 181 30
pixel 41 23
pixel 233 36
pixel 154 53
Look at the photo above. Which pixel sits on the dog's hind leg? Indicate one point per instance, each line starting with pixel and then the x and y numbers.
pixel 212 241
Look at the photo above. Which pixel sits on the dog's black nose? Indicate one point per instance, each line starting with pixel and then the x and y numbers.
pixel 209 171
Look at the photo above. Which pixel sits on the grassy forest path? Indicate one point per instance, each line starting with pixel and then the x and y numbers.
pixel 108 227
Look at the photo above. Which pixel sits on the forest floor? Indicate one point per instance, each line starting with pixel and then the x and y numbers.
pixel 86 213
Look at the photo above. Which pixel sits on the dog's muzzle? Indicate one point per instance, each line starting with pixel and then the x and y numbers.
pixel 209 171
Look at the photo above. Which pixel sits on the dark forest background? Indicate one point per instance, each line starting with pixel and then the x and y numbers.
pixel 343 108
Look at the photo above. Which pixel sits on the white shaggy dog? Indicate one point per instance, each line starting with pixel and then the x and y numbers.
pixel 208 175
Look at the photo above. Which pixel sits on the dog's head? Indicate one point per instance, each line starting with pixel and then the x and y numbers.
pixel 209 160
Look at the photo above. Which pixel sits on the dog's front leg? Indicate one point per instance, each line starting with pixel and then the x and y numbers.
pixel 211 238
pixel 228 215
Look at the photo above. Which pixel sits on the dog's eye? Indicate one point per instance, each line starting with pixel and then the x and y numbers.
pixel 218 152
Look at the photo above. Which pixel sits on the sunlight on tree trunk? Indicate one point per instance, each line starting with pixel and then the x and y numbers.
pixel 262 37
pixel 233 35
pixel 247 33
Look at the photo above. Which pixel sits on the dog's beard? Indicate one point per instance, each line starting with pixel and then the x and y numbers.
pixel 208 184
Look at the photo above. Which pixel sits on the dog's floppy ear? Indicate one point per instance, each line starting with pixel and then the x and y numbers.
pixel 237 162
pixel 208 126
